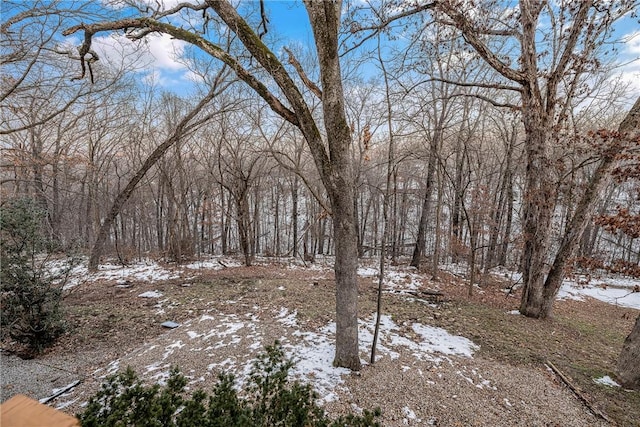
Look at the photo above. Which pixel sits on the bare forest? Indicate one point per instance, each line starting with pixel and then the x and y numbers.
pixel 487 135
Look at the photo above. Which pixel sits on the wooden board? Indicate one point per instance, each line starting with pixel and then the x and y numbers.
pixel 21 411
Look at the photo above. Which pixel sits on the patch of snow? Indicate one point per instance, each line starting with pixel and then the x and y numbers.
pixel 205 265
pixel 231 328
pixel 606 380
pixel 567 292
pixel 150 294
pixel 63 405
pixel 516 312
pixel 621 296
pixel 171 348
pixel 311 351
pixel 286 318
pixel 313 359
pixel 112 368
pixel 439 340
pixel 148 271
pixel 408 413
pixel 367 272
pixel 213 263
pixel 606 280
pixel 403 280
pixel 434 341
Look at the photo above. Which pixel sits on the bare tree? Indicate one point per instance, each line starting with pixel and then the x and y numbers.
pixel 188 123
pixel 550 71
pixel 332 158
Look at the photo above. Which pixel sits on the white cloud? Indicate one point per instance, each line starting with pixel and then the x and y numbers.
pixel 166 51
pixel 156 56
pixel 121 4
pixel 631 75
pixel 630 54
pixel 632 43
pixel 153 52
pixel 164 4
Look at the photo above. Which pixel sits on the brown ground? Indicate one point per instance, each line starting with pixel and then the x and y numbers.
pixel 582 340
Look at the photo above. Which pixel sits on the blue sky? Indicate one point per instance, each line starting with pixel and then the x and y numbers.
pixel 289 20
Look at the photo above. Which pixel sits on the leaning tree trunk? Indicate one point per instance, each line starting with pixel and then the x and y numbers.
pixel 629 360
pixel 628 129
pixel 125 194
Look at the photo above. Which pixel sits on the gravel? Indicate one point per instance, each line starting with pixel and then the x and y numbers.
pixel 443 391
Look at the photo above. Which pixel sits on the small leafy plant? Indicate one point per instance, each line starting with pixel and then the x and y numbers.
pixel 270 399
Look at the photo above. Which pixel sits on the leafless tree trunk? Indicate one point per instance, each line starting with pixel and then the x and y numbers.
pixel 628 129
pixel 629 361
pixel 332 160
pixel 181 129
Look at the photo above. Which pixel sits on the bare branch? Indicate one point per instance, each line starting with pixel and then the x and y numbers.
pixel 476 84
pixel 378 27
pixel 305 79
pixel 181 34
pixel 471 36
pixel 177 8
pixel 381 25
pixel 489 100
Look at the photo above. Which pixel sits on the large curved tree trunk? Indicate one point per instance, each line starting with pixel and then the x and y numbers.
pixel 629 360
pixel 153 158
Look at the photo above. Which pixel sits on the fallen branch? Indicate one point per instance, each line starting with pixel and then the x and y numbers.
pixel 60 392
pixel 576 390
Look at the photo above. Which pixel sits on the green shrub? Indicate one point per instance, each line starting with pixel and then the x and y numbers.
pixel 30 303
pixel 269 400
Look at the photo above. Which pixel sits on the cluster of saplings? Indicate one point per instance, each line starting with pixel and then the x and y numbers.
pixel 269 399
pixel 30 295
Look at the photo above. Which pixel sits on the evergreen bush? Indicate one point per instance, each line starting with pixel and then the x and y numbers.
pixel 30 310
pixel 270 399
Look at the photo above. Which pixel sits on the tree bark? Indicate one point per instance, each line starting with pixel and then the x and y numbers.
pixel 325 21
pixel 629 360
pixel 426 205
pixel 538 208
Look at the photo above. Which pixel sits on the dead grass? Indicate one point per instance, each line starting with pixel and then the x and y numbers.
pixel 583 339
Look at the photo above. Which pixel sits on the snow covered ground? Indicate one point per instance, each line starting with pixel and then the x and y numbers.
pixel 229 340
pixel 207 337
pixel 147 270
pixel 621 291
pixel 616 291
pixel 613 290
